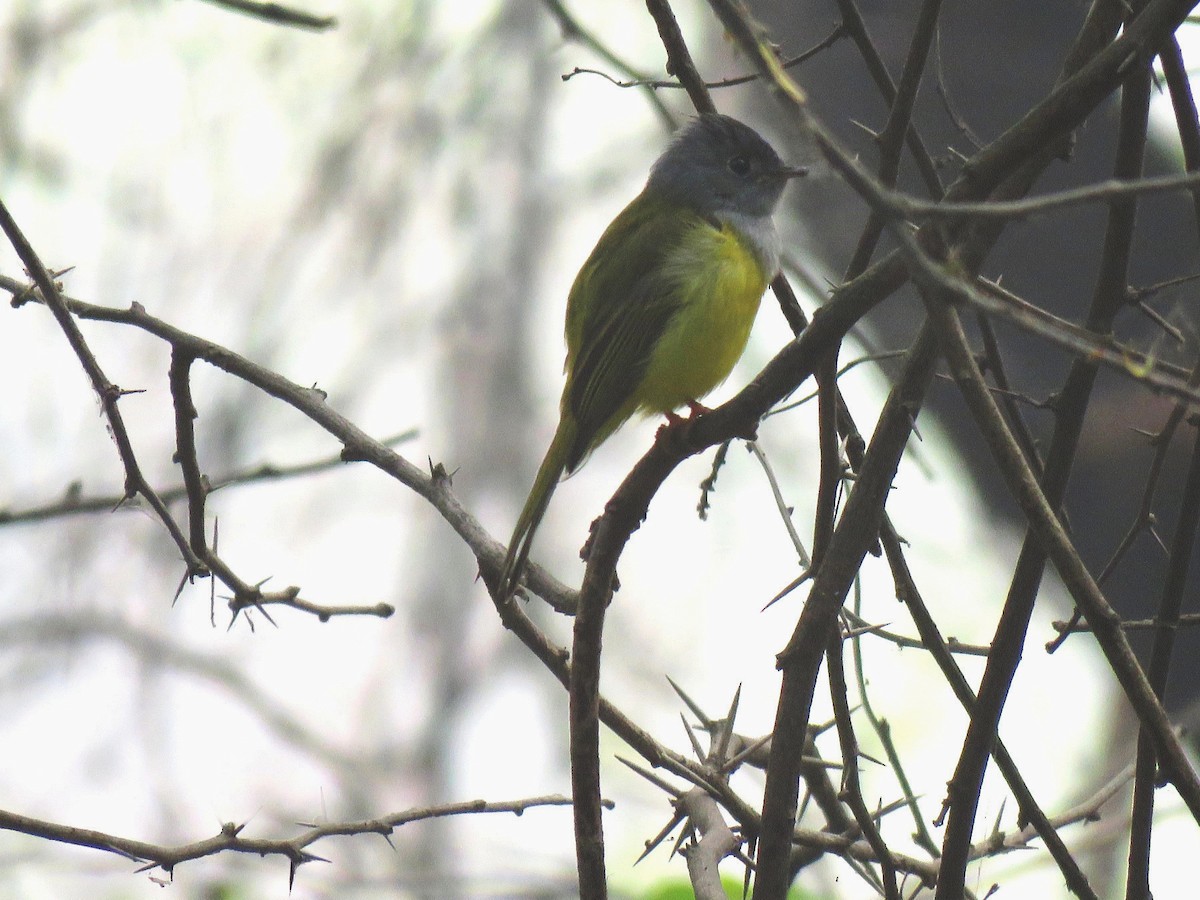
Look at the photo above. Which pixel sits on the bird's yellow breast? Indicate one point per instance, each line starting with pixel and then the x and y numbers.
pixel 720 282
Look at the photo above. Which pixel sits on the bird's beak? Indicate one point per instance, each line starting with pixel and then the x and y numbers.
pixel 794 172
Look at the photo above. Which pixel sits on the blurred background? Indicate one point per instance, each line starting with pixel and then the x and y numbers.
pixel 393 211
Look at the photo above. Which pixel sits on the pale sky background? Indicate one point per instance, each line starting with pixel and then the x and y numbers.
pixel 393 211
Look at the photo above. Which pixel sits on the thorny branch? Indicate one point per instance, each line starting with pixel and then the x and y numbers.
pixel 230 839
pixel 200 560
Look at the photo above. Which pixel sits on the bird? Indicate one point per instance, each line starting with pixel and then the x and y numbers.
pixel 662 308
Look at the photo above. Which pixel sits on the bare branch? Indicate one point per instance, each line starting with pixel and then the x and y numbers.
pixel 108 393
pixel 230 839
pixel 277 14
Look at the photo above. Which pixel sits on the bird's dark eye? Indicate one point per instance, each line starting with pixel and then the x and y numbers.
pixel 739 166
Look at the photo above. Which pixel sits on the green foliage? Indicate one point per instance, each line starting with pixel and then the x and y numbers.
pixel 681 889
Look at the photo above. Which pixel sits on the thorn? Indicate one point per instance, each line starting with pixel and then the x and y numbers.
pixel 687 835
pixel 870 758
pixel 998 835
pixel 692 705
pixel 864 629
pixel 726 729
pixel 656 841
pixel 746 752
pixel 803 577
pixel 870 131
pixel 696 748
pixel 652 778
pixel 187 576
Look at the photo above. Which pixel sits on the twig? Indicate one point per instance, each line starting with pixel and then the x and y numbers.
pixel 883 732
pixel 1113 189
pixel 1085 812
pixel 880 631
pixel 709 485
pixel 873 357
pixel 1186 620
pixel 108 393
pixel 573 30
pixel 1180 556
pixel 785 511
pixel 679 58
pixel 857 26
pixel 943 91
pixel 75 503
pixel 1008 402
pixel 851 788
pixel 898 127
pixel 636 80
pixel 278 14
pixel 230 840
pixel 829 482
pixel 594 596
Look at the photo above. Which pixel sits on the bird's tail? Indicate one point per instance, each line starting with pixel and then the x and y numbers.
pixel 544 484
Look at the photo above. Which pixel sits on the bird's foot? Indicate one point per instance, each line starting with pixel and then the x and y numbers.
pixel 676 421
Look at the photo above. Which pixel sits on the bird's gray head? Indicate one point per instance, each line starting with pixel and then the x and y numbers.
pixel 716 164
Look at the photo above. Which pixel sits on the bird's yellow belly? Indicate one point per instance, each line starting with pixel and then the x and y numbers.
pixel 721 283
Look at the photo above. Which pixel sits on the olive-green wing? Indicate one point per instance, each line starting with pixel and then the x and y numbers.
pixel 621 303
